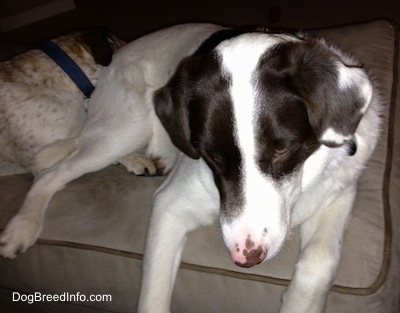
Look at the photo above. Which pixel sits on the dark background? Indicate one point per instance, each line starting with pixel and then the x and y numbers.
pixel 130 19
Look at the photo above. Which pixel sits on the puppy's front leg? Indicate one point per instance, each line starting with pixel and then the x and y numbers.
pixel 165 241
pixel 321 246
pixel 186 201
pixel 24 228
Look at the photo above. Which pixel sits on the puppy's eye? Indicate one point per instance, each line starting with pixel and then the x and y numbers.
pixel 280 151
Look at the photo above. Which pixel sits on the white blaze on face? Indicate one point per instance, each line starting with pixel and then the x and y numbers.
pixel 261 220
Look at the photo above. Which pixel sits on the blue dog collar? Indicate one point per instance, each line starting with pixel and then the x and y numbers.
pixel 69 66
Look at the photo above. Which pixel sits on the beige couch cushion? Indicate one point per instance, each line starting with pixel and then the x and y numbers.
pixel 93 235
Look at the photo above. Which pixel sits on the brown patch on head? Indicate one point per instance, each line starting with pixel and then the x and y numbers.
pixel 196 110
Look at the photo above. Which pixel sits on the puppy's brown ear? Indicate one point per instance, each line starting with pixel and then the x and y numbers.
pixel 336 95
pixel 338 102
pixel 172 109
pixel 101 45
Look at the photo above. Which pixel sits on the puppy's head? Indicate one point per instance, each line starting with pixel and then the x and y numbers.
pixel 256 108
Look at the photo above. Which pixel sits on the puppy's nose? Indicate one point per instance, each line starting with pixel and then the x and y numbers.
pixel 250 255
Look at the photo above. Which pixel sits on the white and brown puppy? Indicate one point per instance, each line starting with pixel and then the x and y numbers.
pixel 39 103
pixel 273 130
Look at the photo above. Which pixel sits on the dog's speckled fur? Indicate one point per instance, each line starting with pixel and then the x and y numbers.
pixel 39 103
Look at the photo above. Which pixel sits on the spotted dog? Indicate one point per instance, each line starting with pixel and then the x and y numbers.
pixel 39 103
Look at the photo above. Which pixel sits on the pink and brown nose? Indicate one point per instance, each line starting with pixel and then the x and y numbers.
pixel 249 254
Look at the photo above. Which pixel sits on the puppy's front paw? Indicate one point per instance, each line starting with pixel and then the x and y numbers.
pixel 140 165
pixel 20 233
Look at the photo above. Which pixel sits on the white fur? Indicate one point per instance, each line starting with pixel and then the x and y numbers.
pixel 330 135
